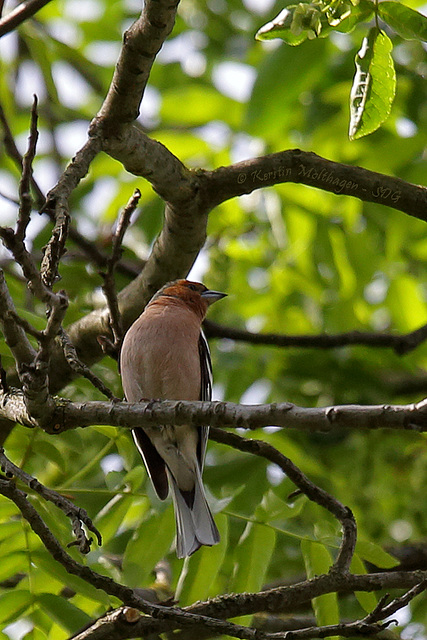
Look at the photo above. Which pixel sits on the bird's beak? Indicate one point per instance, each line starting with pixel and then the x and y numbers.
pixel 212 296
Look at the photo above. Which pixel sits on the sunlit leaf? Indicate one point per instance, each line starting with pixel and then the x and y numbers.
pixel 374 85
pixel 14 603
pixel 280 27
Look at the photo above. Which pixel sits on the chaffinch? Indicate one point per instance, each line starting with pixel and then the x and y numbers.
pixel 165 355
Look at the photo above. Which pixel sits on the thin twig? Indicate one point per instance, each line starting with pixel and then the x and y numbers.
pixel 80 368
pixel 89 248
pixel 13 332
pixel 25 200
pixel 108 286
pixel 22 12
pixel 402 601
pixel 77 515
pixel 55 248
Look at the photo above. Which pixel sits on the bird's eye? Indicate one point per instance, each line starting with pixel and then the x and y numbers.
pixel 193 287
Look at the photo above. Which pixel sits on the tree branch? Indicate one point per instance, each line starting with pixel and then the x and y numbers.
pixel 21 13
pixel 25 200
pixel 109 285
pixel 304 167
pixel 164 618
pixel 342 513
pixel 141 43
pixel 68 415
pixel 401 344
pixel 411 417
pixel 278 600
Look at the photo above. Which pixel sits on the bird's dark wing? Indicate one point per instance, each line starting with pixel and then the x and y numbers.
pixel 153 461
pixel 205 393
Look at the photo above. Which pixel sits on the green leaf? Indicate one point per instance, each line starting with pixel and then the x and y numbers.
pixel 406 303
pixel 297 22
pixel 150 543
pixel 111 516
pixel 374 85
pixel 273 508
pixel 367 599
pixel 12 564
pixel 375 554
pixel 204 103
pixel 13 604
pixel 361 12
pixel 407 22
pixel 204 566
pixel 44 561
pixel 280 27
pixel 317 561
pixel 252 557
pixel 11 528
pixel 63 612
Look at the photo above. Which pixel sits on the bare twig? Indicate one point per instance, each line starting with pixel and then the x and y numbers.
pixel 306 486
pixel 77 515
pixel 109 287
pixel 369 625
pixel 397 603
pixel 80 368
pixel 21 13
pixel 55 248
pixel 13 332
pixel 25 200
pixel 89 248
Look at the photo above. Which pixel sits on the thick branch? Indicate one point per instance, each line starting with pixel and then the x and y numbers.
pixel 69 415
pixel 304 167
pixel 141 43
pixel 412 417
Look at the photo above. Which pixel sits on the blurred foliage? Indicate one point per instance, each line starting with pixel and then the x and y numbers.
pixel 292 259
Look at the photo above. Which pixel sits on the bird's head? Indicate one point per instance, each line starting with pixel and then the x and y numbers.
pixel 194 294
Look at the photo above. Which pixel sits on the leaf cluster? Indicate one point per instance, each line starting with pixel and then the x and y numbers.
pixel 374 83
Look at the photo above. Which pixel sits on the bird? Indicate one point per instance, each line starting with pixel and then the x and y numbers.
pixel 165 355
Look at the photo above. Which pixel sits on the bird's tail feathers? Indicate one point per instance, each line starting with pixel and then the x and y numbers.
pixel 195 525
